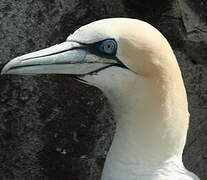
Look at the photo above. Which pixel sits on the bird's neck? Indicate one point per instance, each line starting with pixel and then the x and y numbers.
pixel 152 122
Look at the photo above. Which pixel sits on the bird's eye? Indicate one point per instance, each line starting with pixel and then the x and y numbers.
pixel 108 47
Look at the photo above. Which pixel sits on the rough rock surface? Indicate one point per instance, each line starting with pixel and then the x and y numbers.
pixel 54 128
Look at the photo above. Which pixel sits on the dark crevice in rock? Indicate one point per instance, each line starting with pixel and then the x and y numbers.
pixel 147 10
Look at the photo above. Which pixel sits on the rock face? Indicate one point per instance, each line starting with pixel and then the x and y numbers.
pixel 54 128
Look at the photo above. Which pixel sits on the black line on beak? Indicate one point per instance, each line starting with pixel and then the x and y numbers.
pixel 77 77
pixel 59 52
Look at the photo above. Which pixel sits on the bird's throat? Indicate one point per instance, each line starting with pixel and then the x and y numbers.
pixel 150 132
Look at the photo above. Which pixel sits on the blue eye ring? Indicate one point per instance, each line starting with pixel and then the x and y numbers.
pixel 108 47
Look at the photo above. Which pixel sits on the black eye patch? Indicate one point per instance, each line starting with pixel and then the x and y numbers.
pixel 106 48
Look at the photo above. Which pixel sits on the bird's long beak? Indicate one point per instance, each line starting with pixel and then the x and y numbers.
pixel 66 58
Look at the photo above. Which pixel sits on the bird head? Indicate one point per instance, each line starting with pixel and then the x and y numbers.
pixel 101 48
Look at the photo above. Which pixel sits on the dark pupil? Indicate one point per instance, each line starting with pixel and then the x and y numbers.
pixel 109 46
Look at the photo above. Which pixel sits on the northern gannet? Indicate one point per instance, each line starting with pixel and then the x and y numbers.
pixel 135 67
